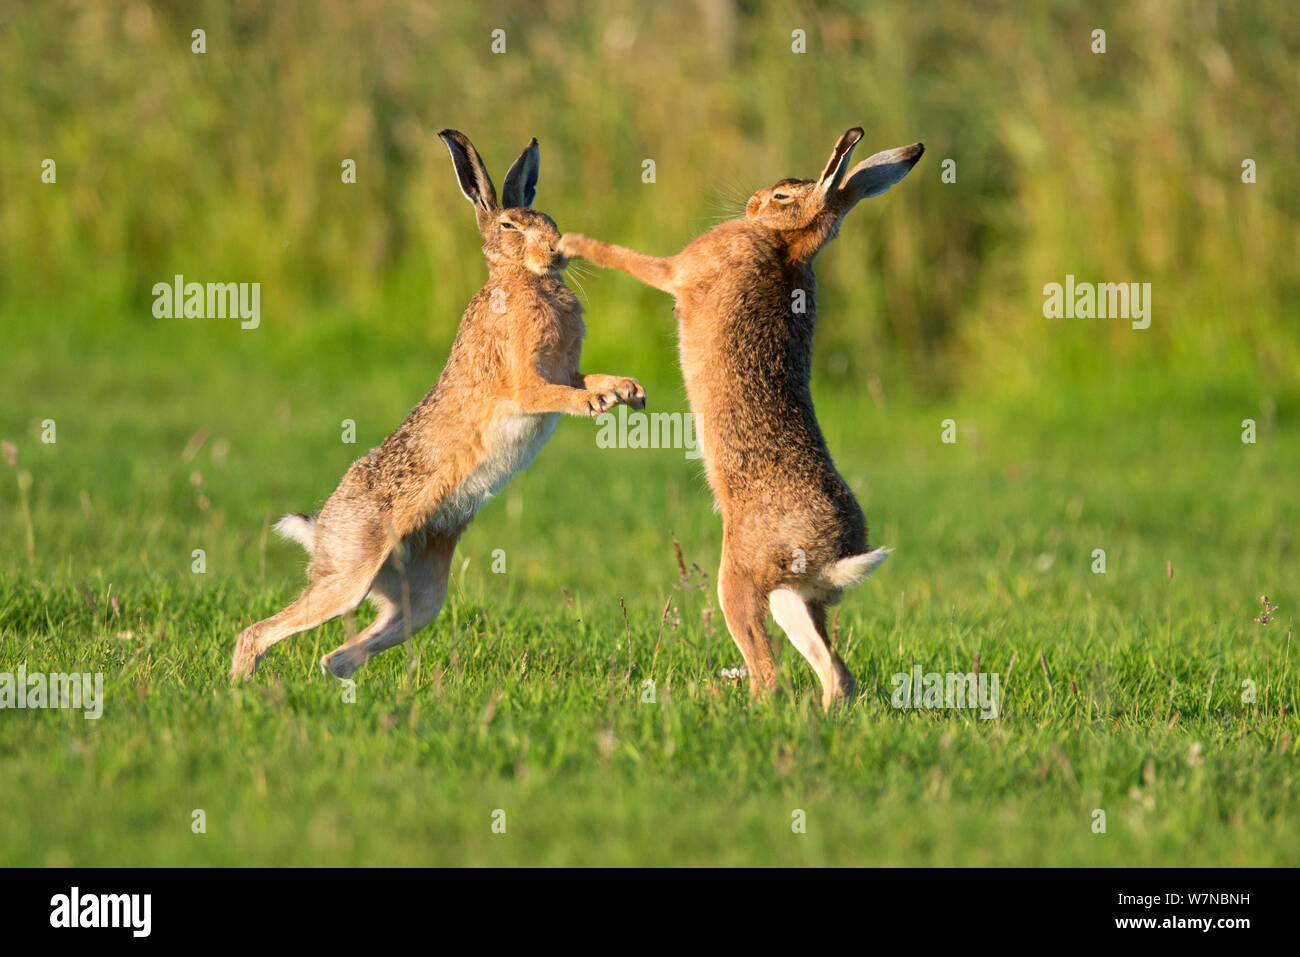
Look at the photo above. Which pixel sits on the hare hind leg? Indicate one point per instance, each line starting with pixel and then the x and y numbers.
pixel 344 565
pixel 804 622
pixel 409 597
pixel 742 607
pixel 321 601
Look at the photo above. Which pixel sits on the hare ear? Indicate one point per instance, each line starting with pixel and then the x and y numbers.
pixel 470 172
pixel 875 174
pixel 520 187
pixel 839 161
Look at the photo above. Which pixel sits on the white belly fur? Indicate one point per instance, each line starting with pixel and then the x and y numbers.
pixel 514 442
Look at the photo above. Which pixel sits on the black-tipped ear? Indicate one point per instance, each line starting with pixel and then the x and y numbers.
pixel 833 174
pixel 877 173
pixel 470 171
pixel 520 188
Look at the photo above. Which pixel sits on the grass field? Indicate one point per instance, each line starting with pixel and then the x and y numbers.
pixel 1121 691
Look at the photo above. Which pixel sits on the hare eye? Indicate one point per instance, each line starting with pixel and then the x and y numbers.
pixel 505 225
pixel 780 197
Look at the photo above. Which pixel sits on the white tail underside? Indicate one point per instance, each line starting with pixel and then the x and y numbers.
pixel 847 572
pixel 298 528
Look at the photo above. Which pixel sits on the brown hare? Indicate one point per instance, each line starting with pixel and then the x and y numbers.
pixel 793 536
pixel 389 530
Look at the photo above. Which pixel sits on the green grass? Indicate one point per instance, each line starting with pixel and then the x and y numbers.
pixel 516 700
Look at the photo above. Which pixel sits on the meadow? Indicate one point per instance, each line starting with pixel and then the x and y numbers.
pixel 1148 691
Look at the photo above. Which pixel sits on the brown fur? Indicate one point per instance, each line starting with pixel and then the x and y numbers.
pixel 389 530
pixel 746 357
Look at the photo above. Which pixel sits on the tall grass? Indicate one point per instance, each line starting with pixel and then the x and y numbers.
pixel 1114 167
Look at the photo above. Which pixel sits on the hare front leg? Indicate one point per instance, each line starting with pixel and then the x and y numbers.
pixel 591 402
pixel 651 270
pixel 625 390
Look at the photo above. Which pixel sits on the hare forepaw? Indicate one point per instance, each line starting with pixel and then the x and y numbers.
pixel 607 391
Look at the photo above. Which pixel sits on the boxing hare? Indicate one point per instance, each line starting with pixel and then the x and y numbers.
pixel 793 536
pixel 389 530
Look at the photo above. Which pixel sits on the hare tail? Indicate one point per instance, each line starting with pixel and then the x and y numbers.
pixel 849 571
pixel 299 528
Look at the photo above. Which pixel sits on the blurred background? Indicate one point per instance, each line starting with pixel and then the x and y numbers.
pixel 1123 166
